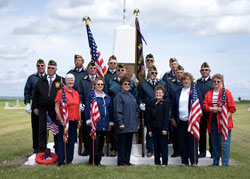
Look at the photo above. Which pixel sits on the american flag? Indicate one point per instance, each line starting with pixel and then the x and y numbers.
pixel 65 116
pixel 94 115
pixel 52 126
pixel 95 54
pixel 223 119
pixel 195 114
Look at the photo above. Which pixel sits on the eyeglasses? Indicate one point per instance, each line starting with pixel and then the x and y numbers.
pixel 154 72
pixel 150 60
pixel 216 81
pixel 92 68
pixel 52 68
pixel 112 63
pixel 40 66
pixel 121 70
pixel 204 69
pixel 99 84
pixel 126 83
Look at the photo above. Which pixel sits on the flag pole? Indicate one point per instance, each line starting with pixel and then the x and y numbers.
pixel 221 150
pixel 93 151
pixel 65 152
pixel 194 151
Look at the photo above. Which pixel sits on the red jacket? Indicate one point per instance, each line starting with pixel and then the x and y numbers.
pixel 207 103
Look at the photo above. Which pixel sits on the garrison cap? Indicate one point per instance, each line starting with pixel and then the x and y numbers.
pixel 52 62
pixel 152 68
pixel 40 61
pixel 77 56
pixel 91 63
pixel 171 60
pixel 149 56
pixel 121 66
pixel 205 65
pixel 113 57
pixel 179 68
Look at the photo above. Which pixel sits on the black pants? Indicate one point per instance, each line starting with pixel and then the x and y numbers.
pixel 113 139
pixel 124 141
pixel 35 129
pixel 186 144
pixel 175 140
pixel 43 128
pixel 86 139
pixel 160 147
pixel 203 138
pixel 98 148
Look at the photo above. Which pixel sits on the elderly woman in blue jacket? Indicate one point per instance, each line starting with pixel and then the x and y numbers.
pixel 104 124
pixel 126 117
pixel 180 111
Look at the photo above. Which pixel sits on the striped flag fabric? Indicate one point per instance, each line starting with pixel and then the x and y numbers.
pixel 95 54
pixel 94 115
pixel 52 126
pixel 195 113
pixel 223 119
pixel 65 116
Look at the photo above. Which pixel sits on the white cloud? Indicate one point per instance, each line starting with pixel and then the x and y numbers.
pixel 15 53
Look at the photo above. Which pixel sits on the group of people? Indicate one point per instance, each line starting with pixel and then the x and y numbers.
pixel 165 102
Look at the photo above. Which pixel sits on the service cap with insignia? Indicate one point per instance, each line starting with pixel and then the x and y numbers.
pixel 91 63
pixel 179 68
pixel 52 62
pixel 113 57
pixel 171 60
pixel 205 65
pixel 40 61
pixel 121 66
pixel 77 56
pixel 152 68
pixel 149 56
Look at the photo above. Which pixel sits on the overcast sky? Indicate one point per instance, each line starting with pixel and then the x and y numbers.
pixel 193 31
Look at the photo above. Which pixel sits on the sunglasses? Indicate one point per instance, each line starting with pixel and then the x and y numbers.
pixel 120 70
pixel 99 84
pixel 216 81
pixel 204 69
pixel 150 60
pixel 112 63
pixel 40 66
pixel 154 73
pixel 92 68
pixel 51 68
pixel 126 83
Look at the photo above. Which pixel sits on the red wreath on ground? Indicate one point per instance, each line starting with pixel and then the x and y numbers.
pixel 40 158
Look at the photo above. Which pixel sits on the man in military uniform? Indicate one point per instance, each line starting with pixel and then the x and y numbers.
pixel 112 68
pixel 28 97
pixel 145 96
pixel 79 72
pixel 149 63
pixel 204 84
pixel 170 75
pixel 43 102
pixel 85 87
pixel 112 87
pixel 171 87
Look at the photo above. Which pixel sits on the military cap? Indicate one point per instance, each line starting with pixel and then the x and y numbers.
pixel 171 60
pixel 77 56
pixel 40 61
pixel 52 62
pixel 152 68
pixel 91 63
pixel 149 56
pixel 205 65
pixel 113 57
pixel 179 68
pixel 120 66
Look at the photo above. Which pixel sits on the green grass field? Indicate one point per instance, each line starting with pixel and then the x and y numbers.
pixel 15 144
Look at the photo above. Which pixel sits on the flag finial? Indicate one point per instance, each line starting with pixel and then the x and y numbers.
pixel 136 12
pixel 86 19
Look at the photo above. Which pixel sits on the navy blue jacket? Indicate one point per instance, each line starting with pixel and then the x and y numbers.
pixel 168 76
pixel 30 86
pixel 85 87
pixel 109 76
pixel 105 109
pixel 78 77
pixel 126 112
pixel 175 103
pixel 172 86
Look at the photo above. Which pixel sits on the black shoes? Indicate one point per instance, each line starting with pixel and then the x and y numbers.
pixel 202 155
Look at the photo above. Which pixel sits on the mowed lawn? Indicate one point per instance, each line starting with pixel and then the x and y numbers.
pixel 15 144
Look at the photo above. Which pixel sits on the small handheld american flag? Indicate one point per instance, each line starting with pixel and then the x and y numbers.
pixel 95 54
pixel 52 126
pixel 94 115
pixel 65 116
pixel 195 114
pixel 223 119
